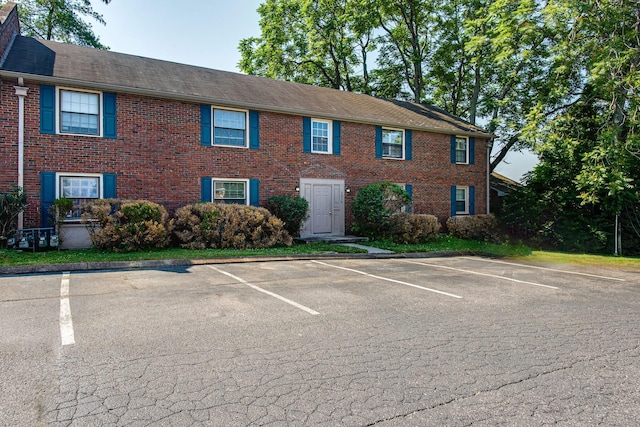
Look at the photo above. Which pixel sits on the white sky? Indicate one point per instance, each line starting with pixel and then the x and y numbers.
pixel 204 33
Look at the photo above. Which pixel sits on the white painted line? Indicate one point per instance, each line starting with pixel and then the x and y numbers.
pixel 389 280
pixel 546 268
pixel 66 323
pixel 478 273
pixel 264 291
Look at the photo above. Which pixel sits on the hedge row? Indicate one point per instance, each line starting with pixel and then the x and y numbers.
pixel 131 225
pixel 484 228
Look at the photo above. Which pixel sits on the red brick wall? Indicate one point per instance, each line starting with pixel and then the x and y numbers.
pixel 158 156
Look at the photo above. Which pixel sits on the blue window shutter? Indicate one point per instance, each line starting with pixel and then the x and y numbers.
pixel 205 124
pixel 47 196
pixel 472 151
pixel 453 200
pixel 254 192
pixel 408 142
pixel 207 189
pixel 409 189
pixel 472 200
pixel 254 130
pixel 109 115
pixel 453 149
pixel 378 142
pixel 109 182
pixel 337 135
pixel 47 109
pixel 306 134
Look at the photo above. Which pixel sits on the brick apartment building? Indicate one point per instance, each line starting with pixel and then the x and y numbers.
pixel 86 123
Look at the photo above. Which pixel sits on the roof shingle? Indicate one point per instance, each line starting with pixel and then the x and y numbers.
pixel 93 68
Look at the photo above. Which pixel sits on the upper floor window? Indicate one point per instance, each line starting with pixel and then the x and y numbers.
pixel 392 143
pixel 320 136
pixel 230 192
pixel 462 149
pixel 79 112
pixel 81 189
pixel 229 127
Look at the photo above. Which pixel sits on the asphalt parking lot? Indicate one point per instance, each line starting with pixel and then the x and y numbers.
pixel 360 342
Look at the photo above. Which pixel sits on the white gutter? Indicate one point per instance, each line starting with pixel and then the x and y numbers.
pixel 21 93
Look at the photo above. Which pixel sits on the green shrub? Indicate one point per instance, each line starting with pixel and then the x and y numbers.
pixel 483 228
pixel 373 206
pixel 11 204
pixel 59 210
pixel 408 228
pixel 126 225
pixel 214 225
pixel 292 210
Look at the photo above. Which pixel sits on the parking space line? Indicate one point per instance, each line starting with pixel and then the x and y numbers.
pixel 66 323
pixel 264 291
pixel 546 268
pixel 388 280
pixel 478 273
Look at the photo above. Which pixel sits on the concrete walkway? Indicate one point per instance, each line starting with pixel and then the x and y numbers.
pixel 369 249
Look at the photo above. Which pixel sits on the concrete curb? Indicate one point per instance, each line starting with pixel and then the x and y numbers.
pixel 155 264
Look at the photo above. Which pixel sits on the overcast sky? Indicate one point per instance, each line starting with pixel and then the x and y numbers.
pixel 204 33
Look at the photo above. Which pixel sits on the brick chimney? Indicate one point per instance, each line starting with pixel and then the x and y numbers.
pixel 9 27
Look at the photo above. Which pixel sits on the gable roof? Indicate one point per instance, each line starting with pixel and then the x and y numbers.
pixel 59 63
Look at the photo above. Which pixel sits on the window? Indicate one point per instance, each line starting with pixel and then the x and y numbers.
pixel 230 192
pixel 462 150
pixel 81 190
pixel 320 137
pixel 79 112
pixel 229 127
pixel 392 143
pixel 462 200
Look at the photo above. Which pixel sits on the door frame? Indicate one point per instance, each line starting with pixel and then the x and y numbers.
pixel 337 208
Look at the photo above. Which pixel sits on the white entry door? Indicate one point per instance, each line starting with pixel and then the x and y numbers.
pixel 326 207
pixel 322 211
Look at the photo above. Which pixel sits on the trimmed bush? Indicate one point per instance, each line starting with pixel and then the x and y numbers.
pixel 215 225
pixel 292 210
pixel 475 227
pixel 127 225
pixel 373 206
pixel 408 228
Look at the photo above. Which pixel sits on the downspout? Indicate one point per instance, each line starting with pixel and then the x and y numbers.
pixel 21 93
pixel 489 149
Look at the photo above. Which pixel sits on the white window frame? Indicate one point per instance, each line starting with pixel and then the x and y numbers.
pixel 59 91
pixel 403 143
pixel 466 200
pixel 329 124
pixel 466 154
pixel 404 187
pixel 60 175
pixel 247 189
pixel 213 126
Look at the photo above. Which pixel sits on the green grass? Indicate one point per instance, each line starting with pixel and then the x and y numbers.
pixel 13 257
pixel 447 244
pixel 584 259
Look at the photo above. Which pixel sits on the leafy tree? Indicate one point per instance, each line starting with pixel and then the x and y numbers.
pixel 61 20
pixel 323 42
pixel 551 210
pixel 407 40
